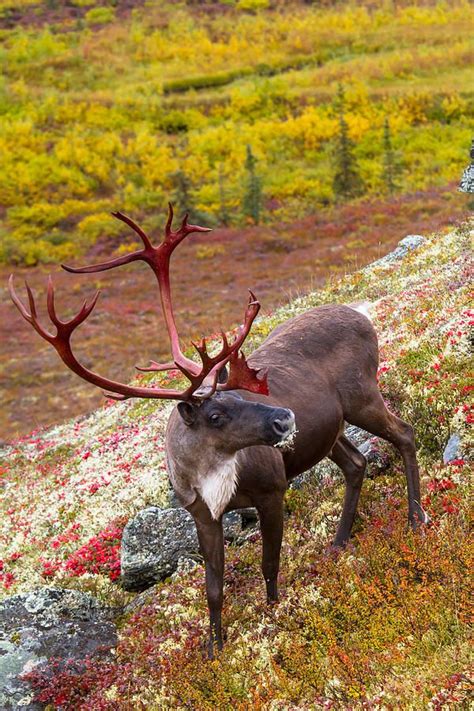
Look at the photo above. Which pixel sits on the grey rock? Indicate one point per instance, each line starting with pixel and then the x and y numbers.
pixel 48 623
pixel 378 456
pixel 249 516
pixel 406 245
pixel 152 543
pixel 185 565
pixel 453 449
pixel 325 468
pixel 233 525
pixel 373 449
pixel 155 539
pixel 173 501
pixel 356 435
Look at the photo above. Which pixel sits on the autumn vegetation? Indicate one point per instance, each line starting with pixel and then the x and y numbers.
pixel 312 137
pixel 113 110
pixel 384 622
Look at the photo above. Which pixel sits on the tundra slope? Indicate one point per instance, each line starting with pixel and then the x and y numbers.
pixel 331 348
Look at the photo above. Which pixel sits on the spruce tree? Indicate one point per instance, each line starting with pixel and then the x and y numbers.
pixel 224 215
pixel 347 182
pixel 391 165
pixel 252 202
pixel 182 199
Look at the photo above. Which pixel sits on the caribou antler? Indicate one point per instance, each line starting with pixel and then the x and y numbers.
pixel 203 379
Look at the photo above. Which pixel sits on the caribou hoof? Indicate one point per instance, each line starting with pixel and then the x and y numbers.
pixel 213 648
pixel 419 520
pixel 215 645
pixel 335 548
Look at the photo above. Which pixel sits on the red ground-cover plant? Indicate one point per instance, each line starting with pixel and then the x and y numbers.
pixel 99 556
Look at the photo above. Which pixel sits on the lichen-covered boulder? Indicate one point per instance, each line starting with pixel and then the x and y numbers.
pixel 46 624
pixel 454 449
pixel 406 245
pixel 154 541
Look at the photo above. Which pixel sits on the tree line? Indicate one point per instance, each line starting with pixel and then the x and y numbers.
pixel 347 181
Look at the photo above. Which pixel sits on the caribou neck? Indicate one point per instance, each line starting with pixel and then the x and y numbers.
pixel 217 483
pixel 207 472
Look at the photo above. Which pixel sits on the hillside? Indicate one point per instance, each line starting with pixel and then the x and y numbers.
pixel 127 104
pixel 210 277
pixel 121 105
pixel 383 625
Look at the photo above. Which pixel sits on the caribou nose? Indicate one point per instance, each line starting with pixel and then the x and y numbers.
pixel 285 424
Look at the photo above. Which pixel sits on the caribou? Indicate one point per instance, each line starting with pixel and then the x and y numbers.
pixel 244 428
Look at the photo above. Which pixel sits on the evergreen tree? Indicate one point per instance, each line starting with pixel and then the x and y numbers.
pixel 183 201
pixel 391 164
pixel 347 182
pixel 252 203
pixel 223 208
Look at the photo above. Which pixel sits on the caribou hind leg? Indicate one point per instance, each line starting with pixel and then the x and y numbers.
pixel 270 512
pixel 353 465
pixel 374 417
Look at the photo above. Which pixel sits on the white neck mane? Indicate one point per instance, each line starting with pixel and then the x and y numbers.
pixel 217 486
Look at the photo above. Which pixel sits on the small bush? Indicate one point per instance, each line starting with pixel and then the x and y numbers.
pixel 99 16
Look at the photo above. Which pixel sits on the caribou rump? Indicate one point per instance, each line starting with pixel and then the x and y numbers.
pixel 244 429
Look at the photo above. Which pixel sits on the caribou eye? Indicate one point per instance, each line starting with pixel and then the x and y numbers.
pixel 215 419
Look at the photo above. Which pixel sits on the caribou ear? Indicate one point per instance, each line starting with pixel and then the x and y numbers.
pixel 223 376
pixel 188 412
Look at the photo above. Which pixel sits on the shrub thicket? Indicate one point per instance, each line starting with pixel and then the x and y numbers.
pixel 91 114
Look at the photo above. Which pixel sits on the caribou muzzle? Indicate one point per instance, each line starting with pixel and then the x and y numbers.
pixel 281 425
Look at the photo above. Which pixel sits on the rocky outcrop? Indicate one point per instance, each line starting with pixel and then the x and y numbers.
pixel 155 540
pixel 45 624
pixel 454 449
pixel 406 245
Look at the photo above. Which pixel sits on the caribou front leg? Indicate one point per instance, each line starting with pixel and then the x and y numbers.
pixel 211 542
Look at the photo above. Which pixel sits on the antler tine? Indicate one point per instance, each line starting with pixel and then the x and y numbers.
pixel 155 367
pixel 174 237
pixel 114 396
pixel 18 303
pixel 85 311
pixel 103 266
pixel 169 221
pixel 136 228
pixel 79 318
pixel 144 254
pixel 31 301
pixel 32 317
pixel 201 347
pixel 225 342
pixel 184 222
pixel 224 352
pixel 252 298
pixel 50 305
pixel 187 228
